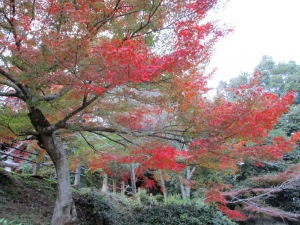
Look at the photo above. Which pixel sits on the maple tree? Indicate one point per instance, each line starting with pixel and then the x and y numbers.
pixel 219 136
pixel 130 72
pixel 63 62
pixel 256 188
pixel 245 136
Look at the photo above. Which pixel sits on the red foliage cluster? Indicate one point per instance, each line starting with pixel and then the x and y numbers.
pixel 215 197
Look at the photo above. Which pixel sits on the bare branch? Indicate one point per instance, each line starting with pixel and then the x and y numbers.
pixel 63 123
pixel 57 95
pixel 89 144
pixel 99 129
pixel 113 140
pixel 24 94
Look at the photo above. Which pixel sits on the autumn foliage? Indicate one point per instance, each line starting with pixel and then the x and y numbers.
pixel 130 73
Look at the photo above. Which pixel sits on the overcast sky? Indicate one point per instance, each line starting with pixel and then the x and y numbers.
pixel 262 27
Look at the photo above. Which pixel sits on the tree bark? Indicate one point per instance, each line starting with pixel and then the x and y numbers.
pixel 182 189
pixel 186 189
pixel 163 186
pixel 132 176
pixel 64 210
pixel 123 188
pixel 114 186
pixel 189 174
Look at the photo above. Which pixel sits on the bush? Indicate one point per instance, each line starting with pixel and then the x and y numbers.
pixel 5 222
pixel 109 209
pixel 188 214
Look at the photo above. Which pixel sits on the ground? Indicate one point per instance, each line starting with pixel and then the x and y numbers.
pixel 30 199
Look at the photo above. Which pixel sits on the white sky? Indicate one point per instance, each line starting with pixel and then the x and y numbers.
pixel 262 27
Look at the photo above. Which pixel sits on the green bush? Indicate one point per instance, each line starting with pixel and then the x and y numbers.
pixel 109 209
pixel 5 222
pixel 144 198
pixel 176 199
pixel 188 214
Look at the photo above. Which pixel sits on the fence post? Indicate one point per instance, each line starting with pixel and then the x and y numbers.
pixel 77 175
pixel 104 184
pixel 9 160
pixel 151 200
pixel 36 168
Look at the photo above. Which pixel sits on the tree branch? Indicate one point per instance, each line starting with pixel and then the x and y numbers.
pixel 63 123
pixel 8 94
pixel 57 95
pixel 105 136
pixel 24 94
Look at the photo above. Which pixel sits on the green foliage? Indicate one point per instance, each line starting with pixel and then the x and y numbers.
pixel 248 170
pixel 179 214
pixel 99 208
pixel 279 78
pixel 145 199
pixel 175 199
pixel 111 209
pixel 91 179
pixel 5 222
pixel 224 87
pixel 287 200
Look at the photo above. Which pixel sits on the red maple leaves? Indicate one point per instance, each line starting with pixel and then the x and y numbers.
pixel 215 197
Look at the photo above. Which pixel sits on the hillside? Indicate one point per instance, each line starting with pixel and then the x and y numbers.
pixel 29 200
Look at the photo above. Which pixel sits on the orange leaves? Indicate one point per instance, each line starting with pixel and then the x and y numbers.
pixel 103 162
pixel 231 131
pixel 295 137
pixel 126 62
pixel 232 214
pixel 107 43
pixel 214 197
pixel 164 158
pixel 159 158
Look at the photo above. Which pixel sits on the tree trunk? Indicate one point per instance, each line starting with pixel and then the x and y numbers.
pixel 64 210
pixel 114 186
pixel 132 176
pixel 123 188
pixel 182 189
pixel 189 174
pixel 163 186
pixel 186 189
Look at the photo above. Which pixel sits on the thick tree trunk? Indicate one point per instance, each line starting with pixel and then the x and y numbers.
pixel 64 210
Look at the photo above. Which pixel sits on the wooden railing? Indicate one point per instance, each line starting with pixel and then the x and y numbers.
pixel 9 163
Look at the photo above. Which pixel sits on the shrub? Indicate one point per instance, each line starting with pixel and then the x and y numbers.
pixel 109 209
pixel 5 222
pixel 187 214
